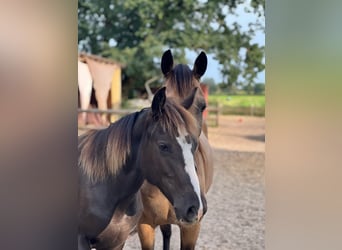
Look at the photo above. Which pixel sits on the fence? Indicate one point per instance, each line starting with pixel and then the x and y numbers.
pixel 250 111
pixel 114 113
pixel 212 118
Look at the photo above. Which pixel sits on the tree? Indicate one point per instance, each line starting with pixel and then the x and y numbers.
pixel 210 82
pixel 136 32
pixel 259 89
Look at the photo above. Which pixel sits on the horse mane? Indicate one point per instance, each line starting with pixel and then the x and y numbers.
pixel 182 80
pixel 104 152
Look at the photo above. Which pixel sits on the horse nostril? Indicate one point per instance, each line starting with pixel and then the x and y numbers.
pixel 191 214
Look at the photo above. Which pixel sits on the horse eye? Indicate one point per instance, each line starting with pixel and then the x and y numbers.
pixel 203 108
pixel 163 147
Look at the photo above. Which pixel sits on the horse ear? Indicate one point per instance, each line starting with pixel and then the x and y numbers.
pixel 158 102
pixel 187 103
pixel 200 65
pixel 167 62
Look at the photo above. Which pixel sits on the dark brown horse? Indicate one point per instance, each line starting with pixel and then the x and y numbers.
pixel 180 82
pixel 156 144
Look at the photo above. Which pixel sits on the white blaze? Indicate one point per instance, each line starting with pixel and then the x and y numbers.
pixel 190 167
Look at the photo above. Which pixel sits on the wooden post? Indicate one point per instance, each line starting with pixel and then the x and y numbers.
pixel 217 114
pixel 116 92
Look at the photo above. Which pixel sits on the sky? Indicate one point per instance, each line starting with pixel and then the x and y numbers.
pixel 242 18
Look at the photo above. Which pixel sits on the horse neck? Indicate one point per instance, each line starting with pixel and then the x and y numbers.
pixel 137 133
pixel 204 161
pixel 131 173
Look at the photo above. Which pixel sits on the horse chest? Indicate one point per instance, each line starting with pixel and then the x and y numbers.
pixel 99 200
pixel 157 208
pixel 123 223
pixel 97 207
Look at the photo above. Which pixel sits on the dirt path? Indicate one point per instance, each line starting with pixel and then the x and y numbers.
pixel 236 211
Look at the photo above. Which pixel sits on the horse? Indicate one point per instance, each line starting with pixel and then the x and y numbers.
pixel 155 144
pixel 180 82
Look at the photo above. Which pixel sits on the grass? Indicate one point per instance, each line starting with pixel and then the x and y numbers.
pixel 238 100
pixel 239 104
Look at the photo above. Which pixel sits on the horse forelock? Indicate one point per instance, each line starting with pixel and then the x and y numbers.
pixel 181 80
pixel 176 119
pixel 104 152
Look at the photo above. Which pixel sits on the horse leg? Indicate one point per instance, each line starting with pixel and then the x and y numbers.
pixel 146 236
pixel 166 231
pixel 189 236
pixel 83 243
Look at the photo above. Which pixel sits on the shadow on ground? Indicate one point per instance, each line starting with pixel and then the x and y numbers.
pixel 256 137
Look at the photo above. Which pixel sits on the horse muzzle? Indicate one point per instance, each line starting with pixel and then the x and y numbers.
pixel 189 211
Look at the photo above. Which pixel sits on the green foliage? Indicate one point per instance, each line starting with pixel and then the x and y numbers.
pixel 259 89
pixel 136 32
pixel 210 82
pixel 239 104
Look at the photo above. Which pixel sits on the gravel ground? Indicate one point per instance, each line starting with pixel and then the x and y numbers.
pixel 236 201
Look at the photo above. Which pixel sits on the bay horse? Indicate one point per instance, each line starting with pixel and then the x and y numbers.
pixel 156 144
pixel 180 82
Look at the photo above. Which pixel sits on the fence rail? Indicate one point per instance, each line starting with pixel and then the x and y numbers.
pixel 250 111
pixel 108 111
pixel 212 118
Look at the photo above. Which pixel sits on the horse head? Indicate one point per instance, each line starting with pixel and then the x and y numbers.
pixel 181 82
pixel 169 144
